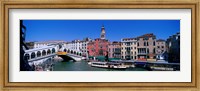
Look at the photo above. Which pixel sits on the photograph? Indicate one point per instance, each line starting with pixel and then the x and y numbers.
pixel 100 45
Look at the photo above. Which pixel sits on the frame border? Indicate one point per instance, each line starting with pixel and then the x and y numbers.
pixel 6 5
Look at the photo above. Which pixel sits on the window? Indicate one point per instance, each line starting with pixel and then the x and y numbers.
pixel 154 50
pixel 147 43
pixel 138 44
pixel 154 43
pixel 158 46
pixel 162 46
pixel 147 50
pixel 144 43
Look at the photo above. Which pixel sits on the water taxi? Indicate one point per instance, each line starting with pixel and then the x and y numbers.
pixel 108 65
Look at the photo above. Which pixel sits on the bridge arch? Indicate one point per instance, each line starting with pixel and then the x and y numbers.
pixel 71 52
pixel 48 51
pixel 26 57
pixel 38 54
pixel 33 55
pixel 65 50
pixel 44 53
pixel 53 50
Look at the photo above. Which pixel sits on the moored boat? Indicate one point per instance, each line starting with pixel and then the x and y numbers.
pixel 108 65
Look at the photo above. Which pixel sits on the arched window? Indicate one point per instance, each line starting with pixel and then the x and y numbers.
pixel 32 55
pixel 38 54
pixel 43 53
pixel 154 50
pixel 154 43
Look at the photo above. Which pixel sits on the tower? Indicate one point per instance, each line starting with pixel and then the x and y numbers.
pixel 103 33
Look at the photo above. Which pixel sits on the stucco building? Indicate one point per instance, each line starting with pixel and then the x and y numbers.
pixel 78 45
pixel 114 49
pixel 146 47
pixel 129 48
pixel 161 46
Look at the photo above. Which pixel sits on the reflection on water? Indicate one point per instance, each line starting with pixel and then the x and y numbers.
pixel 83 66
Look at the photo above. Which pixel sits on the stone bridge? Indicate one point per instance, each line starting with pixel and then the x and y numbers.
pixel 50 51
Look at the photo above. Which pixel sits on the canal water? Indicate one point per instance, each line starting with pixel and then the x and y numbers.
pixel 83 66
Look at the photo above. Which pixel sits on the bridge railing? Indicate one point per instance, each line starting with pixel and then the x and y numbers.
pixel 42 57
pixel 74 55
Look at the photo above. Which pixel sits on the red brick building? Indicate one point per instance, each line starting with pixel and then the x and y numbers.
pixel 99 46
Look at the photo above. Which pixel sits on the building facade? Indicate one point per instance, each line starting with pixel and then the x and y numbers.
pixel 146 47
pixel 114 49
pixel 173 48
pixel 79 46
pixel 98 46
pixel 84 44
pixel 129 48
pixel 161 46
pixel 74 45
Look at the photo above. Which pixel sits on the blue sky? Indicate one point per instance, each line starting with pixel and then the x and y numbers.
pixel 67 30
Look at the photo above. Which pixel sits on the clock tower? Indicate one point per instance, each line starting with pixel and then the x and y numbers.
pixel 103 33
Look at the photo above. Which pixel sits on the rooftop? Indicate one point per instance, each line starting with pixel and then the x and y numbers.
pixel 160 40
pixel 147 35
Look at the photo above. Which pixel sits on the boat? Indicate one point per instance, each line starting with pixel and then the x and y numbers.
pixel 108 65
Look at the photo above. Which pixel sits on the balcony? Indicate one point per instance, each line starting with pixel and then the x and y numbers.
pixel 142 53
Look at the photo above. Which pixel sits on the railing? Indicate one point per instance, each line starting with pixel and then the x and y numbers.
pixel 41 57
pixel 74 55
pixel 142 53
